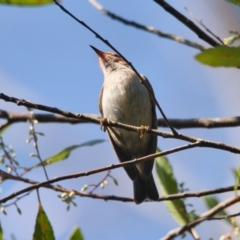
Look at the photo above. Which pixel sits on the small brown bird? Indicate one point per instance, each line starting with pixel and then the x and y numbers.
pixel 124 99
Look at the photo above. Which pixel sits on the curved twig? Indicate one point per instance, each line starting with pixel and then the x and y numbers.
pixel 205 216
pixel 201 34
pixel 149 29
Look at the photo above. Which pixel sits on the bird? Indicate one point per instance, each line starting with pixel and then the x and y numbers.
pixel 123 98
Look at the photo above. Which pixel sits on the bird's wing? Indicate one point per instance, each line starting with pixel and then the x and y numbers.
pixel 121 153
pixel 148 165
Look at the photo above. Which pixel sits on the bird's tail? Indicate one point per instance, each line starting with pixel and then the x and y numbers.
pixel 144 188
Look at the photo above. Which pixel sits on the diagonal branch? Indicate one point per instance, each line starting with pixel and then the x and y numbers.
pixel 7 176
pixel 201 34
pixel 94 171
pixel 107 122
pixel 149 29
pixel 205 216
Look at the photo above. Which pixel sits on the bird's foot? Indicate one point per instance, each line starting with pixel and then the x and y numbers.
pixel 104 122
pixel 142 130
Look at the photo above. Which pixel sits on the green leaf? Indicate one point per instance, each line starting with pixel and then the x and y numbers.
pixel 26 2
pixel 211 202
pixel 4 129
pixel 76 234
pixel 236 2
pixel 221 56
pixel 65 153
pixel 1 232
pixel 236 173
pixel 43 229
pixel 115 181
pixel 168 185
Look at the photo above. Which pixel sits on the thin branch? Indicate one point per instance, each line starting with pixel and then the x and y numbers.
pixel 35 139
pixel 16 200
pixel 14 117
pixel 129 63
pixel 201 34
pixel 95 186
pixel 201 142
pixel 94 171
pixel 204 26
pixel 149 29
pixel 224 217
pixel 7 176
pixel 205 216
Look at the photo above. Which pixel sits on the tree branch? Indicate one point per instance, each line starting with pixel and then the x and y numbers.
pixel 106 122
pixel 205 216
pixel 14 117
pixel 94 171
pixel 146 28
pixel 201 34
pixel 6 176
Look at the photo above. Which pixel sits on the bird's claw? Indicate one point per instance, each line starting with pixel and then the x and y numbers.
pixel 103 123
pixel 142 131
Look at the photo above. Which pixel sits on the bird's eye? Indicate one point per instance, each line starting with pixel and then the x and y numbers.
pixel 115 55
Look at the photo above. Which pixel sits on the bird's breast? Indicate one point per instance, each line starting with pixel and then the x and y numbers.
pixel 126 100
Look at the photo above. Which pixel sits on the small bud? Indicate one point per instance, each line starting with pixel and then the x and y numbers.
pixel 63 195
pixel 2 209
pixel 84 188
pixel 71 194
pixel 32 155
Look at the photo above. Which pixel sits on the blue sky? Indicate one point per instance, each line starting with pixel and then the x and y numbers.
pixel 45 57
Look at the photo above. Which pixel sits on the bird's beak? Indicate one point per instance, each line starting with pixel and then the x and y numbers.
pixel 99 53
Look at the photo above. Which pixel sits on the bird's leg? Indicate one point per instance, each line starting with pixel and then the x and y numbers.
pixel 142 130
pixel 104 122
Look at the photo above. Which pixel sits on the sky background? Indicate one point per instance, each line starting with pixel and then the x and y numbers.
pixel 45 58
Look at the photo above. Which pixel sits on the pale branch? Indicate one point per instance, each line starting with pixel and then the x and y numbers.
pixel 187 22
pixel 203 217
pixel 35 140
pixel 107 122
pixel 14 117
pixel 149 29
pixel 204 26
pixel 7 176
pixel 94 171
pixel 16 200
pixel 141 78
pixel 224 217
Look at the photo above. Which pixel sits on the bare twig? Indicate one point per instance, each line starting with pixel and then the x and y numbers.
pixel 16 200
pixel 35 139
pixel 205 27
pixel 201 142
pixel 224 217
pixel 95 186
pixel 14 117
pixel 94 171
pixel 150 29
pixel 201 34
pixel 205 216
pixel 7 176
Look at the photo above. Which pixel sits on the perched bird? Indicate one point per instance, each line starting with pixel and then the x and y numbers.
pixel 124 99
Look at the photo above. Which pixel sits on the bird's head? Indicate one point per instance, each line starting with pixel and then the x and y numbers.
pixel 109 61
